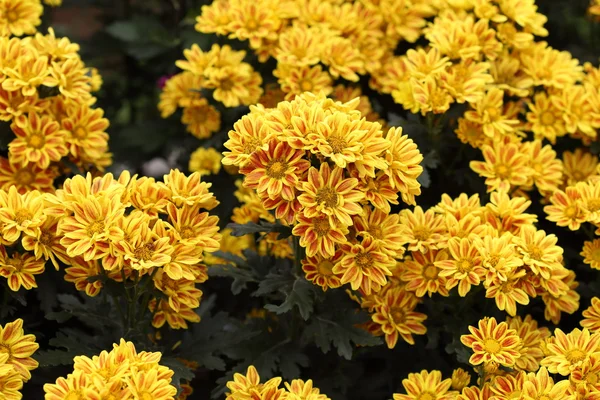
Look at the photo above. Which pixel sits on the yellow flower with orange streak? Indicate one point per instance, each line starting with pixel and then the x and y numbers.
pixel 544 118
pixel 201 119
pixel 460 379
pixel 87 131
pixel 327 192
pixel 39 140
pixel 20 17
pixel 192 227
pixel 379 192
pixel 586 377
pixel 342 59
pixel 505 165
pixel 464 268
pixel 466 81
pixel 299 389
pixel 579 165
pixel 151 383
pixel 590 200
pixel 255 21
pixel 175 319
pixel 249 134
pixel 179 293
pixel 395 313
pixel 570 351
pixel 276 171
pixel 242 385
pixel 80 271
pixel 505 386
pixel 566 208
pixel 591 316
pixel 422 231
pixel 403 169
pixel 364 266
pixel 490 114
pixel 10 380
pixel 190 190
pixel 148 195
pixel 19 269
pixel 565 301
pixel 71 78
pixel 540 385
pixel 470 132
pixel 20 347
pixel 319 270
pixel 430 96
pixel 475 393
pixel 45 242
pixel 318 235
pixel 20 213
pixel 92 227
pixel 180 90
pixel 233 85
pixel 421 274
pixel 28 73
pixel 509 291
pixel 299 46
pixel 384 228
pixel 532 336
pixel 295 80
pixel 547 170
pixel 25 176
pixel 426 385
pixel 539 251
pixel 492 342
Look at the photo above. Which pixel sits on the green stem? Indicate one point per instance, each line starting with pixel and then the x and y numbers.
pixel 298 256
pixel 147 292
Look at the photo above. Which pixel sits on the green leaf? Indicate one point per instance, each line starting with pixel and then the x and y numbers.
pixel 273 282
pixel 241 277
pixel 301 295
pixel 182 372
pixel 52 358
pixel 124 30
pixel 263 227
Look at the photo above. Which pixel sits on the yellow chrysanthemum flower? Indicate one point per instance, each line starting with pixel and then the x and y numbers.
pixel 205 161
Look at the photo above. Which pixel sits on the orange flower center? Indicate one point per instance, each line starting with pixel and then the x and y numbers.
pixel 46 238
pixel 36 140
pixel 502 171
pixel 276 168
pixel 578 176
pixel 250 146
pixel 325 268
pixel 187 232
pixel 306 85
pixel 535 252
pixel 24 177
pixel 376 232
pixel 593 205
pixel 251 24
pixel 74 395
pixel 321 226
pixel 144 252
pixel 337 143
pixel 547 118
pixel 464 265
pixel 227 84
pixel 421 233
pixel 575 356
pixel 80 133
pixel 363 260
pixel 4 349
pixel 397 315
pixel 491 346
pixel 427 396
pixel 595 255
pixel 22 215
pixel 492 112
pixel 328 196
pixel 12 15
pixel 16 263
pixel 430 272
pixel 95 227
pixel 571 211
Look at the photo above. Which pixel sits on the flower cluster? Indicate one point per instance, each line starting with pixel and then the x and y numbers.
pixel 249 387
pixel 16 349
pixel 122 229
pixel 594 8
pixel 514 360
pixel 46 96
pixel 123 373
pixel 221 70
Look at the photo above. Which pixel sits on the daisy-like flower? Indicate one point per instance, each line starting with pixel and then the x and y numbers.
pixel 249 134
pixel 299 45
pixel 490 114
pixel 546 168
pixel 299 79
pixel 426 385
pixel 566 208
pixel 384 228
pixel 301 390
pixel 19 269
pixel 509 385
pixel 80 273
pixel 205 161
pixel 342 58
pixel 39 140
pixel 492 342
pixel 339 139
pixel 71 78
pixel 318 235
pixel 327 192
pixel 201 118
pixel 19 347
pixel 10 380
pixel 466 81
pixel 587 377
pixel 540 252
pixel 507 292
pixel 179 91
pixel 532 337
pixel 275 172
pixel 190 190
pixel 175 319
pixel 470 132
pixel 505 165
pixel 590 200
pixel 319 270
pixel 363 266
pixel 545 119
pixel 421 274
pixel 243 385
pixel 591 316
pixel 460 379
pixel 396 315
pixel 19 17
pixel 403 158
pixel 25 176
pixel 422 231
pixel 21 214
pixel 232 85
pixel 464 268
pixel 579 165
pixel 77 384
pixel 29 73
pixel 570 351
pixel 542 386
pixel 86 129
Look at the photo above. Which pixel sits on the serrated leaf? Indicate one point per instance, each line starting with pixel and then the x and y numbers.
pixel 181 371
pixel 263 227
pixel 291 362
pixel 273 282
pixel 52 358
pixel 301 295
pixel 241 277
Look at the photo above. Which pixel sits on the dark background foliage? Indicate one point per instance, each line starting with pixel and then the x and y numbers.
pixel 134 44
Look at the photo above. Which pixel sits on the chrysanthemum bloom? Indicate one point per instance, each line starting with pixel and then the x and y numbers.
pixel 587 376
pixel 566 300
pixel 532 336
pixel 397 317
pixel 384 228
pixel 39 140
pixel 205 161
pixel 566 208
pixel 363 266
pixel 579 166
pixel 71 78
pixel 489 113
pixel 539 251
pixel 541 385
pixel 318 235
pixel 505 165
pixel 459 207
pixel 244 384
pixel 25 176
pixel 328 193
pixel 20 214
pixel 190 190
pixel 86 129
pixel 379 192
pixel 422 231
pixel 190 226
pixel 422 276
pixel 148 384
pixel 28 73
pixel 19 347
pixel 426 385
pixel 175 319
pixel 460 379
pixel 340 139
pixel 299 45
pixel 493 341
pixel 505 386
pixel 304 390
pixel 19 269
pixel 499 256
pixel 249 134
pixel 470 132
pixel 179 293
pixel 342 58
pixel 463 268
pixel 570 351
pixel 80 273
pixel 201 119
pixel 10 380
pixel 508 213
pixel 295 80
pixel 76 384
pixel 591 316
pixel 466 81
pixel 319 270
pixel 275 172
pixel 545 120
pixel 19 17
pixel 590 200
pixel 547 169
pixel 403 158
pixel 179 91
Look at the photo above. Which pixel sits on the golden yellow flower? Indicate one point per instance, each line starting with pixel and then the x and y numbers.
pixel 570 351
pixel 205 161
pixel 19 17
pixel 591 253
pixel 201 119
pixel 492 341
